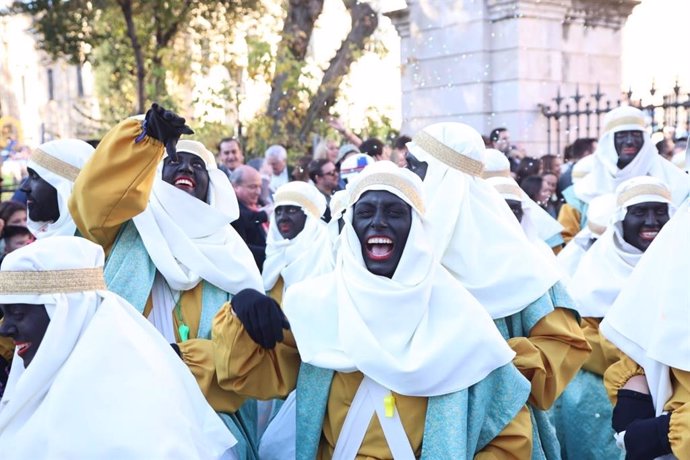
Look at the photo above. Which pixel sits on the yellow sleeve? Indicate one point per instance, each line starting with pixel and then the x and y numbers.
pixel 115 183
pixel 569 218
pixel 6 348
pixel 604 353
pixel 679 407
pixel 514 442
pixel 276 292
pixel 198 356
pixel 551 356
pixel 246 368
pixel 618 375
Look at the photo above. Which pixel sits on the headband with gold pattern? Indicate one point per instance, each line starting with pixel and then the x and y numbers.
pixel 52 281
pixel 385 178
pixel 55 165
pixel 294 197
pixel 508 189
pixel 447 155
pixel 631 120
pixel 645 189
pixel 490 174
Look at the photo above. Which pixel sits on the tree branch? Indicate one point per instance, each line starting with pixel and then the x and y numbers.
pixel 126 7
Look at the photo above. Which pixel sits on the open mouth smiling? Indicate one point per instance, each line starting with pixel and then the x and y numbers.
pixel 22 347
pixel 185 183
pixel 379 247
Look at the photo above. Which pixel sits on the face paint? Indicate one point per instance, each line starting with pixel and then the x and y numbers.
pixel 41 198
pixel 516 207
pixel 628 144
pixel 643 222
pixel 188 173
pixel 382 223
pixel 290 221
pixel 416 166
pixel 26 325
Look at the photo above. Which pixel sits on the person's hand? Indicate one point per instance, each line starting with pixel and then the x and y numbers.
pixel 631 406
pixel 165 126
pixel 648 438
pixel 261 316
pixel 336 124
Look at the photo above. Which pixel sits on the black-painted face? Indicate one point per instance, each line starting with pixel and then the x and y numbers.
pixel 26 325
pixel 188 173
pixel 628 144
pixel 516 207
pixel 41 198
pixel 643 222
pixel 416 166
pixel 290 221
pixel 382 223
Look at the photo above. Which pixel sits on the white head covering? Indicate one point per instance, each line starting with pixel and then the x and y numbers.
pixel 58 163
pixel 599 213
pixel 97 349
pixel 606 176
pixel 337 205
pixel 649 321
pixel 538 225
pixel 402 332
pixel 475 235
pixel 190 240
pixel 608 263
pixel 309 253
pixel 496 164
pixel 582 168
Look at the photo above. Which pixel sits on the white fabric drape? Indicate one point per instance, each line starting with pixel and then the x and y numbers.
pixel 93 389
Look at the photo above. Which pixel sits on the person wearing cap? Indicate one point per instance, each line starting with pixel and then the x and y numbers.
pixel 541 229
pixel 298 246
pixel 568 216
pixel 648 322
pixel 161 210
pixel 642 209
pixel 599 214
pixel 345 151
pixel 53 167
pixel 625 150
pixel 88 370
pixel 480 242
pixel 382 373
pixel 354 165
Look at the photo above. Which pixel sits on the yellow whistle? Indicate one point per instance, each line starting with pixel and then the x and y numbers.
pixel 389 405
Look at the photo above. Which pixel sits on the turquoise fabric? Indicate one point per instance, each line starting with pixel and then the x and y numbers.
pixel 576 203
pixel 582 416
pixel 130 272
pixel 554 241
pixel 457 425
pixel 545 441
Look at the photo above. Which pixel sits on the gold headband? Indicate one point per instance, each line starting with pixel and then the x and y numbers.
pixel 596 228
pixel 52 281
pixel 645 189
pixel 447 155
pixel 55 165
pixel 490 174
pixel 395 181
pixel 285 197
pixel 631 120
pixel 508 189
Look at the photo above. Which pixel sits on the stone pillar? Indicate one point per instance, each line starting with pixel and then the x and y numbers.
pixel 489 63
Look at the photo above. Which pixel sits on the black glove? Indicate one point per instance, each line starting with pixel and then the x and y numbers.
pixel 176 349
pixel 647 439
pixel 261 316
pixel 631 406
pixel 166 126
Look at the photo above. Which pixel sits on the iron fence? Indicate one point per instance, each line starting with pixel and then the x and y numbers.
pixel 580 115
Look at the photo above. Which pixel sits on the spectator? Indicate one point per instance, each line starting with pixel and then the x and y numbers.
pixel 13 213
pixel 375 149
pixel 301 170
pixel 15 237
pixel 533 187
pixel 337 124
pixel 577 150
pixel 551 164
pixel 550 184
pixel 253 221
pixel 326 149
pixel 230 155
pixel 528 167
pixel 325 177
pixel 276 160
pixel 399 154
pixel 665 148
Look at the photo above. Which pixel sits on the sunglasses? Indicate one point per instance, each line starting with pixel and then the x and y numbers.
pixel 331 173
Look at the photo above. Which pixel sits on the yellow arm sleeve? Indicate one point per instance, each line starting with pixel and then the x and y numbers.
pixel 604 353
pixel 276 292
pixel 679 407
pixel 569 218
pixel 514 442
pixel 246 368
pixel 115 183
pixel 551 356
pixel 618 375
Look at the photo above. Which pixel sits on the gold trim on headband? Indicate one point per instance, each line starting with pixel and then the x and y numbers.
pixel 490 174
pixel 294 197
pixel 384 178
pixel 644 189
pixel 55 165
pixel 508 189
pixel 52 281
pixel 596 228
pixel 447 155
pixel 630 120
